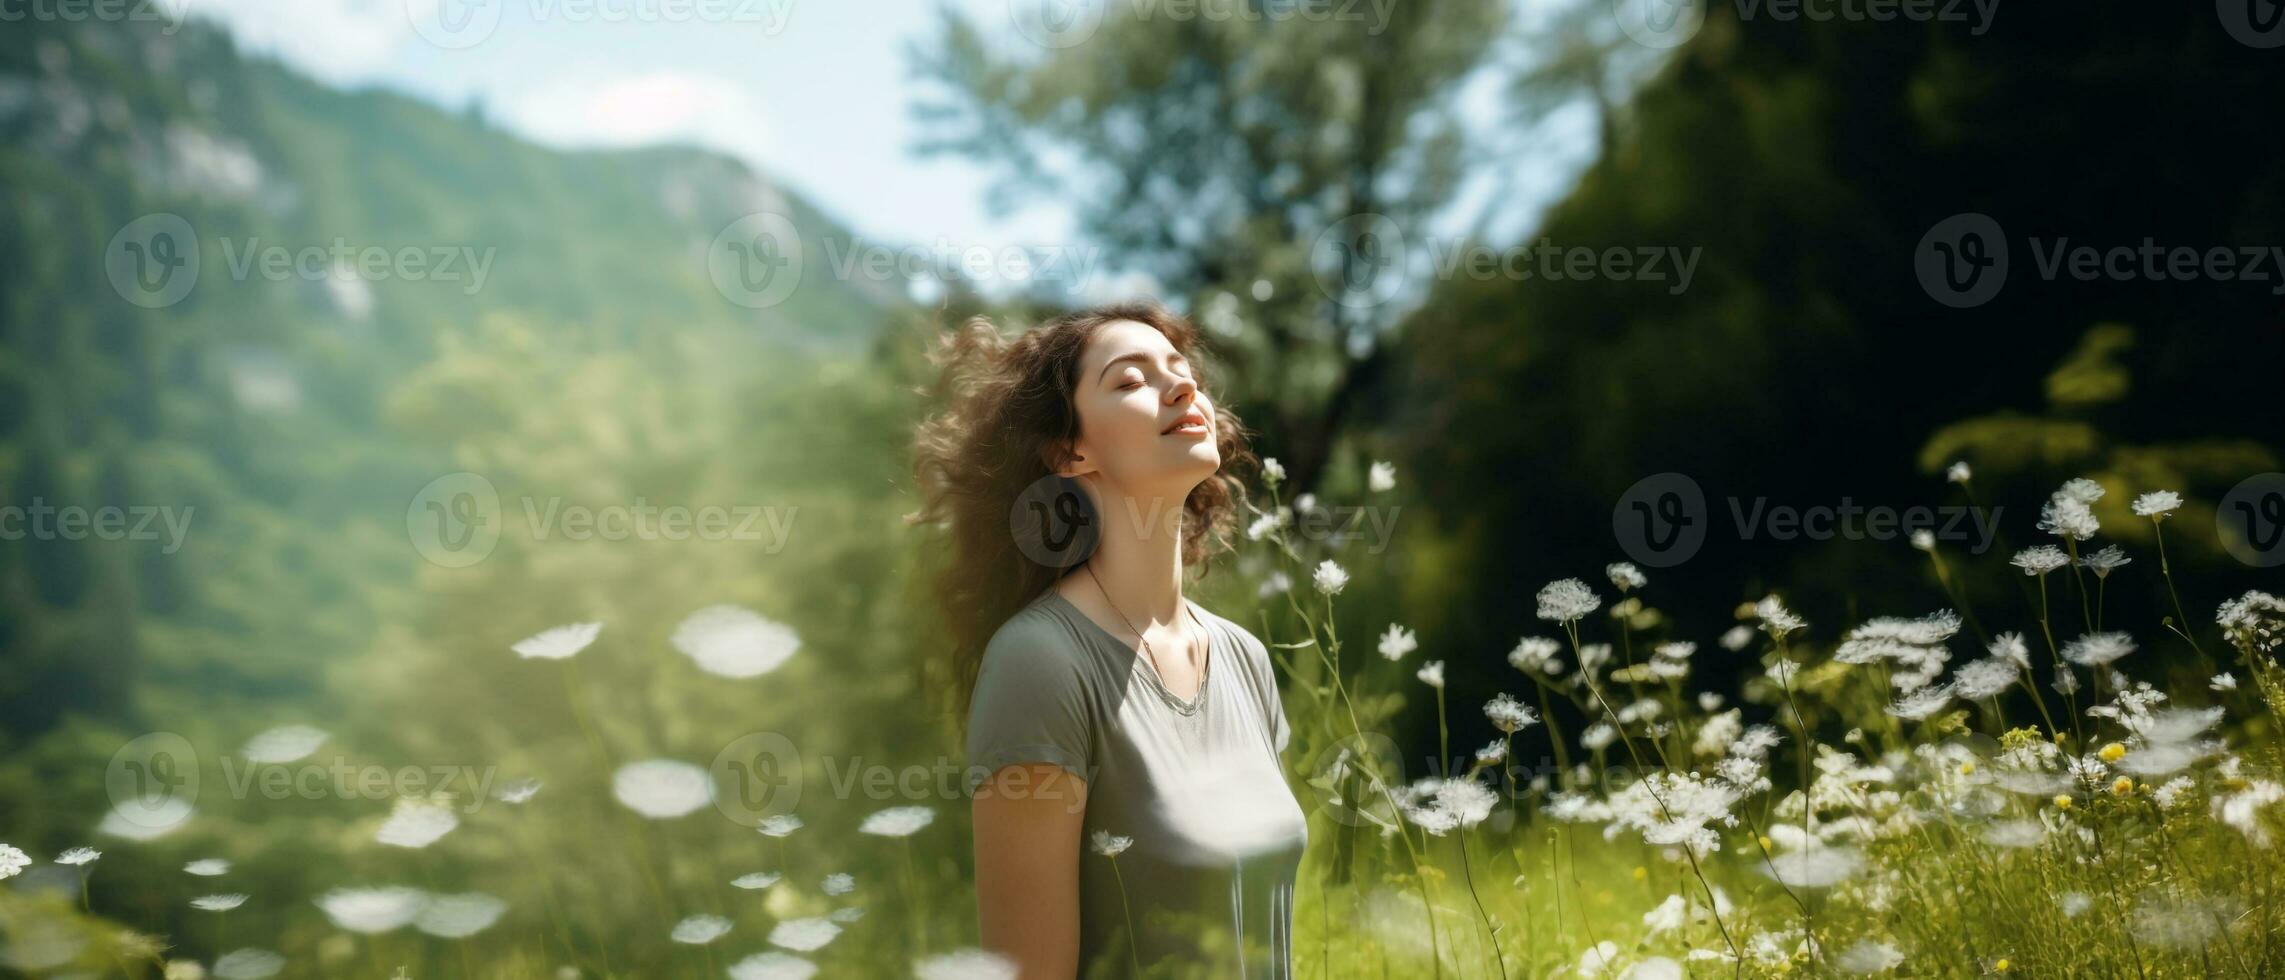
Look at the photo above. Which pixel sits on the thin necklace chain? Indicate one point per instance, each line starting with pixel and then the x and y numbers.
pixel 1147 651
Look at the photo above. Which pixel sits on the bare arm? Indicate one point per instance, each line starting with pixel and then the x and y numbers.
pixel 1027 820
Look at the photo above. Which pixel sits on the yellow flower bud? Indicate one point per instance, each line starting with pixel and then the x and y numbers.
pixel 1766 843
pixel 2112 752
pixel 2122 786
pixel 2000 966
pixel 2062 801
pixel 1968 767
pixel 1641 872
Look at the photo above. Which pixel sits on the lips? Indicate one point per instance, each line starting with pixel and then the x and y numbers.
pixel 1192 422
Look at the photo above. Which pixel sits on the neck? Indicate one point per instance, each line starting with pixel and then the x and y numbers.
pixel 1139 557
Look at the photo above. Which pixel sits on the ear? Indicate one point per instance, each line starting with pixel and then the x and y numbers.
pixel 1069 460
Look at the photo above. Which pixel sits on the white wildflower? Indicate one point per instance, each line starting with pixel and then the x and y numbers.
pixel 2157 504
pixel 1868 956
pixel 416 824
pixel 1329 577
pixel 965 964
pixel 459 916
pixel 2039 559
pixel 804 935
pixel 897 821
pixel 772 965
pixel 242 964
pixel 732 641
pixel 1625 576
pixel 1382 477
pixel 283 744
pixel 662 788
pixel 1536 655
pixel 1397 642
pixel 1775 618
pixel 372 910
pixel 2068 517
pixel 2098 649
pixel 1432 674
pixel 1109 844
pixel 698 930
pixel 559 642
pixel 2242 809
pixel 1508 714
pixel 2102 562
pixel 1567 600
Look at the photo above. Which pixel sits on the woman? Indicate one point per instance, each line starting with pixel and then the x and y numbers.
pixel 1130 807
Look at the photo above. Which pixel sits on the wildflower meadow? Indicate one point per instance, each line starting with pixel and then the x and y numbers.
pixel 1943 792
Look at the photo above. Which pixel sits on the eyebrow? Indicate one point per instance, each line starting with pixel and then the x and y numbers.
pixel 1135 356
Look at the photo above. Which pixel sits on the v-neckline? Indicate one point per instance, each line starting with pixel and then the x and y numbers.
pixel 1144 666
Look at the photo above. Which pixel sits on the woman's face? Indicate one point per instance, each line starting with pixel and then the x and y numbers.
pixel 1145 427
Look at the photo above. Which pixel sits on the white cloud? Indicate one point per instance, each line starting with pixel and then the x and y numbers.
pixel 634 110
pixel 340 41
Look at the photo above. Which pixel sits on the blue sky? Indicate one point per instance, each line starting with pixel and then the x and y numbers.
pixel 815 94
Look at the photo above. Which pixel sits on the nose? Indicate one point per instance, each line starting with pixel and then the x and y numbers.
pixel 1183 390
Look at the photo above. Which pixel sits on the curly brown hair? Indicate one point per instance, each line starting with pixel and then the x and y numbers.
pixel 1006 421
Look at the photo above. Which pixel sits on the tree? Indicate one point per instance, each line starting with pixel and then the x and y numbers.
pixel 1220 156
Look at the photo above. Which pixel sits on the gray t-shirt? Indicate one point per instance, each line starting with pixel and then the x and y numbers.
pixel 1200 787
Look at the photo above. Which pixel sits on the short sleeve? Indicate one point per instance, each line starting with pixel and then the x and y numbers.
pixel 1273 704
pixel 1030 704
